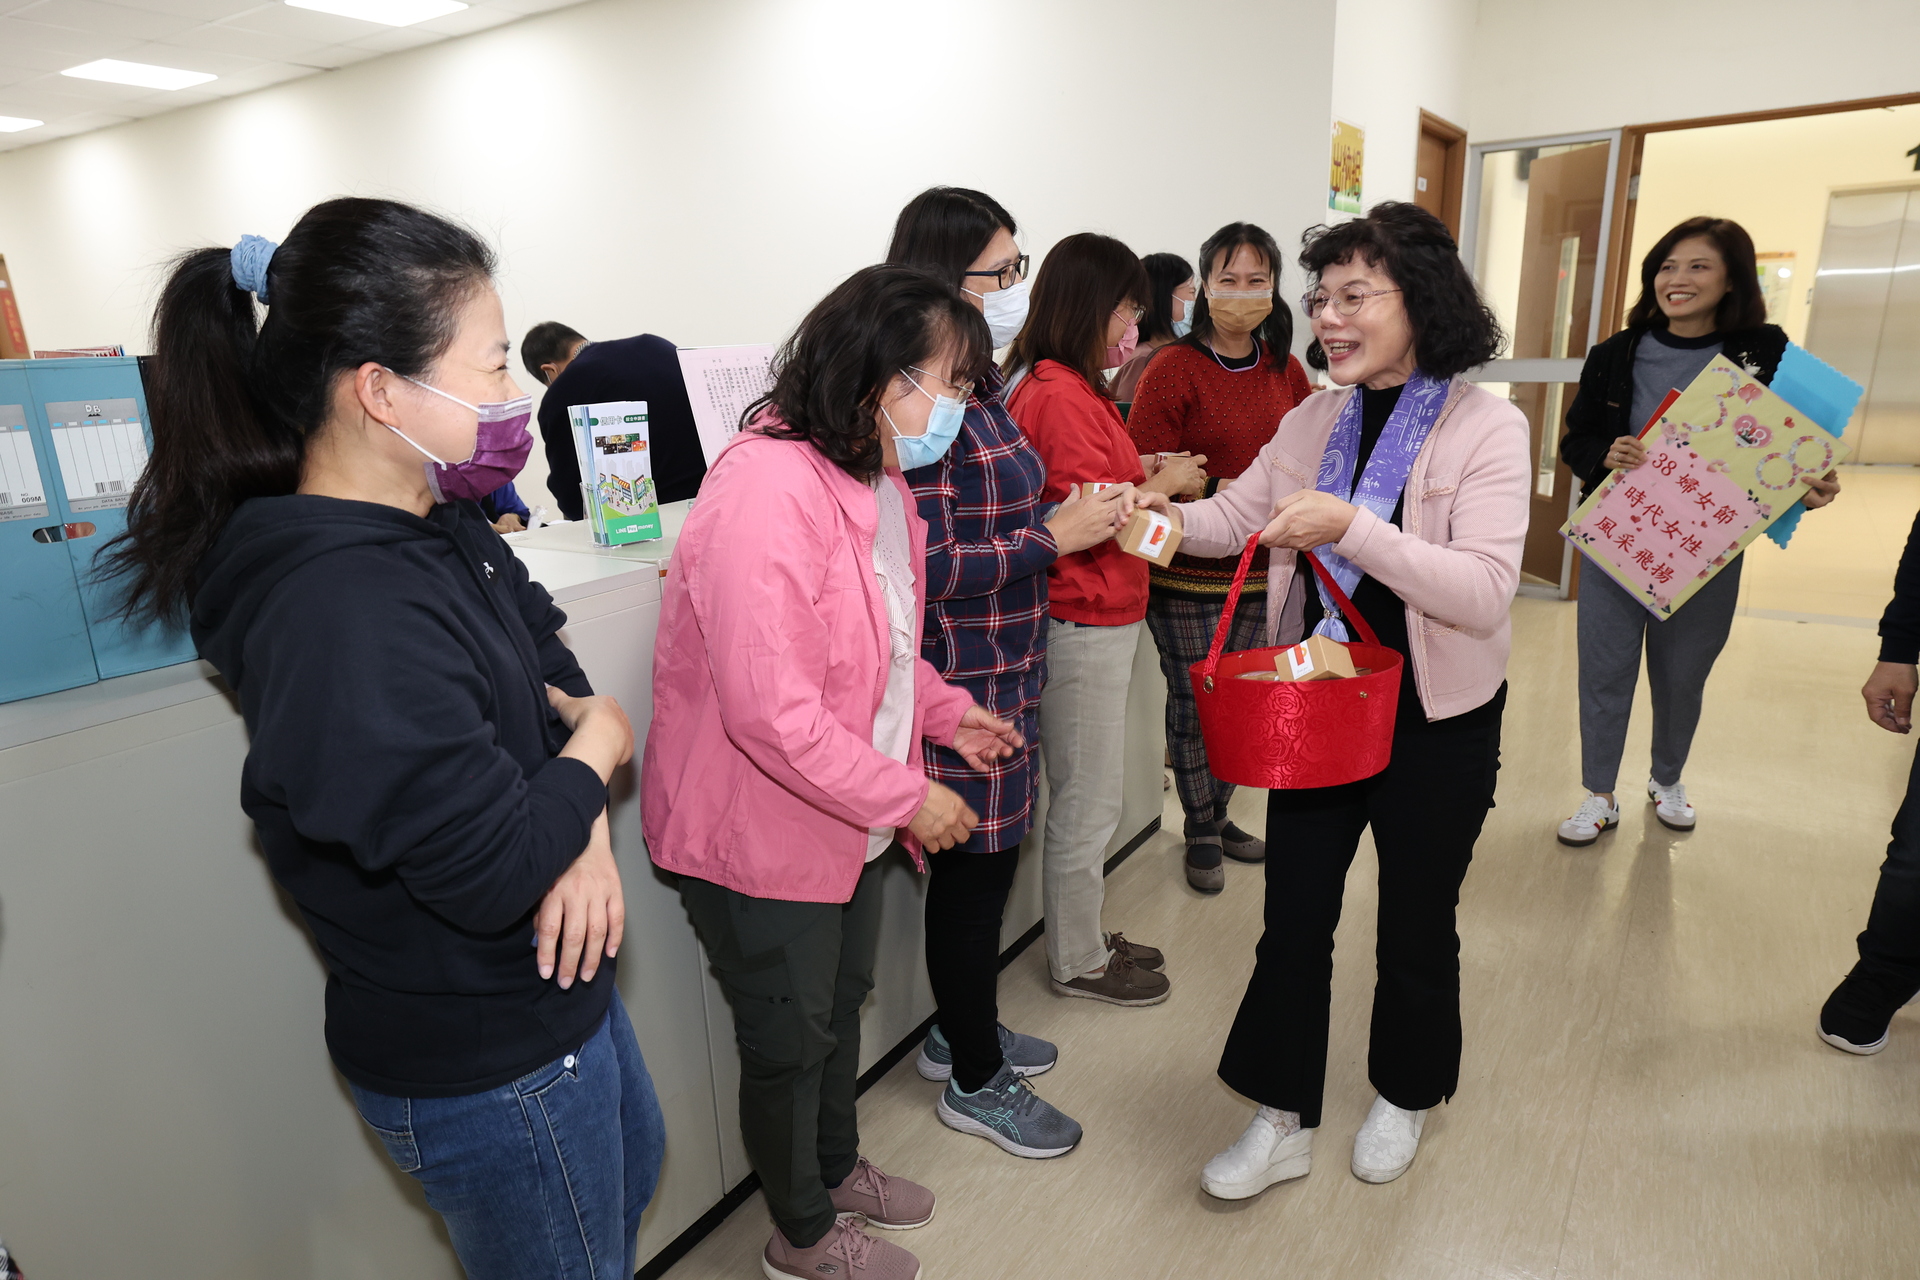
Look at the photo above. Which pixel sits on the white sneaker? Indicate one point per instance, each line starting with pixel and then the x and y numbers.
pixel 1263 1156
pixel 1670 805
pixel 1387 1142
pixel 1595 816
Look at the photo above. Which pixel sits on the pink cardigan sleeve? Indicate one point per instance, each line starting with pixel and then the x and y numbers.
pixel 1219 526
pixel 767 649
pixel 941 704
pixel 1469 581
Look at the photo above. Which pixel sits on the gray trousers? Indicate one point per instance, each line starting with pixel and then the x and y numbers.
pixel 1680 655
pixel 1083 735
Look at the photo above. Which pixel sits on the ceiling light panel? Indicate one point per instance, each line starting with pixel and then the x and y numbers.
pixel 14 124
pixel 390 13
pixel 140 74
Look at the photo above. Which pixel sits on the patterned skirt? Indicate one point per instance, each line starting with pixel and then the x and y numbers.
pixel 1002 796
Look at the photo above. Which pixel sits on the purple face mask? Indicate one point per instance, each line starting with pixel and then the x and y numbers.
pixel 500 449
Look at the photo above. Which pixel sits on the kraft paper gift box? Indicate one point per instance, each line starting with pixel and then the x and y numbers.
pixel 1151 536
pixel 1315 658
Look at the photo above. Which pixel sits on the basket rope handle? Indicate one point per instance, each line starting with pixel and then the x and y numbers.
pixel 1342 605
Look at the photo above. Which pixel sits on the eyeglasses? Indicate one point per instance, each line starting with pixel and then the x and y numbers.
pixel 1346 302
pixel 1131 315
pixel 963 391
pixel 1008 276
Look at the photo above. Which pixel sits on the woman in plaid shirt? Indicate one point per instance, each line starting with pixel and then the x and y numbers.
pixel 989 543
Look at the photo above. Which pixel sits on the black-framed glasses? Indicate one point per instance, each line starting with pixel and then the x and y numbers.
pixel 1008 276
pixel 1348 301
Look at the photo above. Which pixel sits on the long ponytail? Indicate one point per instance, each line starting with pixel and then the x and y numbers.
pixel 234 403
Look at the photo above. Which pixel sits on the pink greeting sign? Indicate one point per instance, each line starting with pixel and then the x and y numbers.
pixel 1725 459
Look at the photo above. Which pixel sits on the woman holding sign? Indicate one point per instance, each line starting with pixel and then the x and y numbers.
pixel 1411 486
pixel 1699 297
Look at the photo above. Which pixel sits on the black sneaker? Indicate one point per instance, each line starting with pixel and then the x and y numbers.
pixel 1857 1015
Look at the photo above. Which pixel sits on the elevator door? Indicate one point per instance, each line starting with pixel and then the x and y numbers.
pixel 1865 319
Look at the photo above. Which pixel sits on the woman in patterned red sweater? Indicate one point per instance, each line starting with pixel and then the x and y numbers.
pixel 1220 391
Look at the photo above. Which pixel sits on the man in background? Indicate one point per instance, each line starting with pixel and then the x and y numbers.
pixel 576 371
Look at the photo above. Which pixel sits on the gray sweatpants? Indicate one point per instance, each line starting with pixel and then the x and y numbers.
pixel 1680 655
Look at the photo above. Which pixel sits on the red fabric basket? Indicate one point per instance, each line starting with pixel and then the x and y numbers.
pixel 1289 734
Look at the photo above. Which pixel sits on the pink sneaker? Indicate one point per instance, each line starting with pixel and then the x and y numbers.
pixel 892 1204
pixel 844 1253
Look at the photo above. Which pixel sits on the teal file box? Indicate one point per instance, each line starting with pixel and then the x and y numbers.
pixel 87 420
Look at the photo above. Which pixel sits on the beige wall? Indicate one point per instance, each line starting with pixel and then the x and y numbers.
pixel 1391 59
pixel 1773 177
pixel 1552 66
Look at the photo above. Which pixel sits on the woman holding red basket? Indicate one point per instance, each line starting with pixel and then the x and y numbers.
pixel 1396 322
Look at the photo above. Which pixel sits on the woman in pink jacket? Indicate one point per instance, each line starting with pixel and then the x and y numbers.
pixel 1411 486
pixel 784 757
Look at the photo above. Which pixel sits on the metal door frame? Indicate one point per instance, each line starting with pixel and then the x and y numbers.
pixel 1545 370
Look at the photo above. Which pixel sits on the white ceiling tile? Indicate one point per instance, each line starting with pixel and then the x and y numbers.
pixel 301 24
pixel 206 60
pixel 44 48
pixel 395 39
pixel 109 19
pixel 202 10
pixel 211 37
pixel 477 17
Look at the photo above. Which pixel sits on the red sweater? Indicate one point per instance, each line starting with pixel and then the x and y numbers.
pixel 1081 437
pixel 1188 403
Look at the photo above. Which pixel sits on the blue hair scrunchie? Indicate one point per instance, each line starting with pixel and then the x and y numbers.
pixel 249 264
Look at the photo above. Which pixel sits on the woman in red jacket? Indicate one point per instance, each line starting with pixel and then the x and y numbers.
pixel 1219 391
pixel 1082 320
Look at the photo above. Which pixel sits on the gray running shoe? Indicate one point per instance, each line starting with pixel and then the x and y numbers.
pixel 1009 1114
pixel 1027 1055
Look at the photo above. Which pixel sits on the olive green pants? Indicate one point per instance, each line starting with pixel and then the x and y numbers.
pixel 796 974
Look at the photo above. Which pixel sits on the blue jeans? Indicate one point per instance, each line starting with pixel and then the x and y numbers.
pixel 544 1177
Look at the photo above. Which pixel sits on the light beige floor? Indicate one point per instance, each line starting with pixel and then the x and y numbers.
pixel 1642 1094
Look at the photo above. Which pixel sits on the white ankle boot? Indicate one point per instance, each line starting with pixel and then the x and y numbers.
pixel 1387 1142
pixel 1273 1149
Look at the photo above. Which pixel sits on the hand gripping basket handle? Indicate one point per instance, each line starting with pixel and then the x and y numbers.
pixel 1340 603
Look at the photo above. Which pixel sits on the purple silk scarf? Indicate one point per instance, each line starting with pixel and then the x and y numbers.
pixel 1382 482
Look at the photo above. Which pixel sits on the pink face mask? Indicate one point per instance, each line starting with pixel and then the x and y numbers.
pixel 500 448
pixel 1123 352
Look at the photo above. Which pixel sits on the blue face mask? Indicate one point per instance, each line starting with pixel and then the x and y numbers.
pixel 1181 328
pixel 943 427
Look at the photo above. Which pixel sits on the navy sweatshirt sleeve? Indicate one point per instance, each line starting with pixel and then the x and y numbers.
pixel 371 730
pixel 544 619
pixel 1900 624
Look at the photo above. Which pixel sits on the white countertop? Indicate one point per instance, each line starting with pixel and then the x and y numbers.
pixel 560 557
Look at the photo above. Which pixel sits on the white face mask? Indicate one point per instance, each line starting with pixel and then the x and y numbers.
pixel 1006 312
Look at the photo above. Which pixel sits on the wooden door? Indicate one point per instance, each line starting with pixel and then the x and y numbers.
pixel 1440 170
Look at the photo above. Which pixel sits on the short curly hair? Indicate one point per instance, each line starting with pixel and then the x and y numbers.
pixel 1453 329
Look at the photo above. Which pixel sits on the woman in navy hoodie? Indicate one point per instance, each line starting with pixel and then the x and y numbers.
pixel 428 765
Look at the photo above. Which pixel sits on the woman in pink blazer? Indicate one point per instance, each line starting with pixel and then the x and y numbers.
pixel 784 756
pixel 1411 486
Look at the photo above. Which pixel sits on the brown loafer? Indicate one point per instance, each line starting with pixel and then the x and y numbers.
pixel 1139 952
pixel 1124 982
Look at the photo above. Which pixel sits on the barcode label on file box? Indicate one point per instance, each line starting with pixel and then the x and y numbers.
pixel 22 496
pixel 102 450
